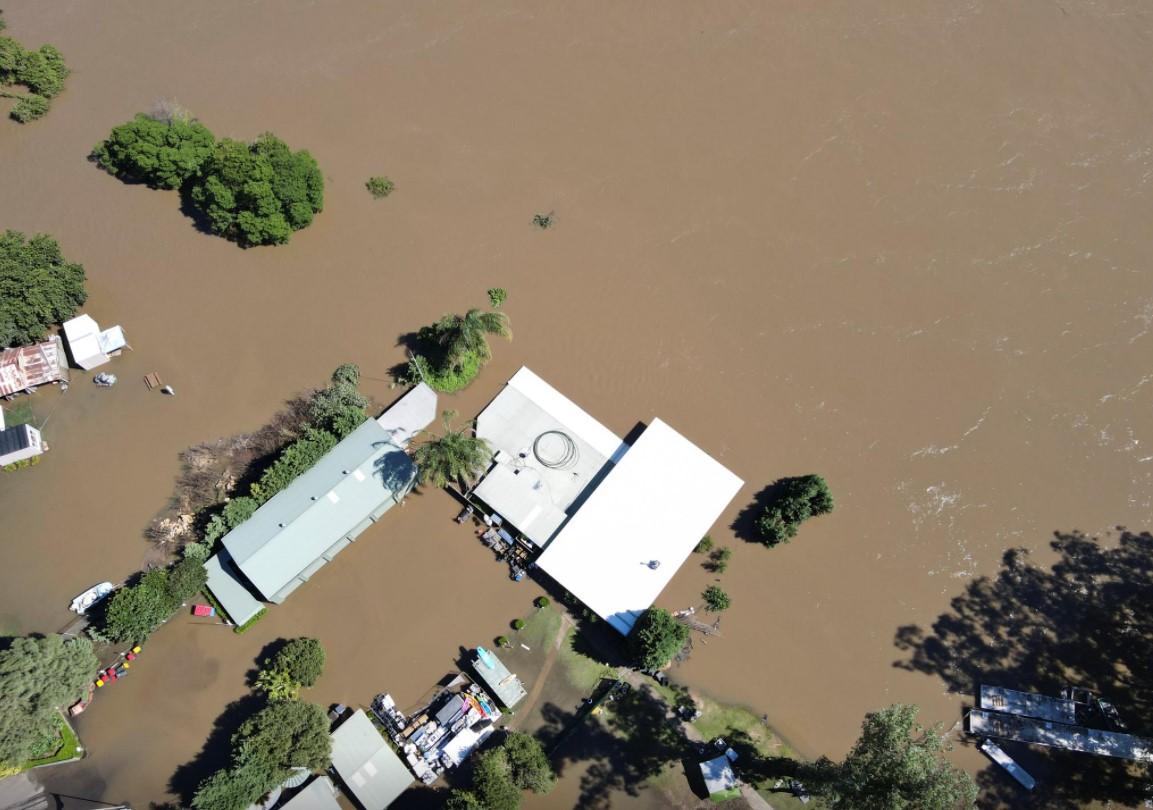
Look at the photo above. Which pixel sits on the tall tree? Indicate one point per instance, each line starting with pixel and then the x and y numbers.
pixel 453 456
pixel 461 335
pixel 492 781
pixel 134 612
pixel 896 764
pixel 657 638
pixel 38 288
pixel 303 659
pixel 528 764
pixel 37 677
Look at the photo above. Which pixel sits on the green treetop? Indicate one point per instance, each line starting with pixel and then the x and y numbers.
pixel 38 287
pixel 657 638
pixel 161 153
pixel 452 456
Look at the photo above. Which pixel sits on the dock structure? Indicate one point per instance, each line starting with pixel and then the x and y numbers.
pixel 994 752
pixel 1028 704
pixel 1066 736
pixel 501 684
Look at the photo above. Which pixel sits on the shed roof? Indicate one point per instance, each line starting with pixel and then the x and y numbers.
pixel 83 336
pixel 504 685
pixel 366 765
pixel 29 366
pixel 14 439
pixel 655 505
pixel 410 414
pixel 551 454
pixel 225 584
pixel 319 795
pixel 356 481
pixel 718 775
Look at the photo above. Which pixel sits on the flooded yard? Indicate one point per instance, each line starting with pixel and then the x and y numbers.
pixel 904 248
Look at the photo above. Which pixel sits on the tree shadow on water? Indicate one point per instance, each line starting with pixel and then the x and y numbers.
pixel 744 526
pixel 217 750
pixel 1085 621
pixel 633 740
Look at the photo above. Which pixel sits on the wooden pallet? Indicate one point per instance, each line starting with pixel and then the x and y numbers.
pixel 152 380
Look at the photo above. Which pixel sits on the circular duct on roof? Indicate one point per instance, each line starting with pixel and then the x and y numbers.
pixel 556 450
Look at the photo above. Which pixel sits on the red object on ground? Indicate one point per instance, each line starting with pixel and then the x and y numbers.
pixel 203 610
pixel 131 656
pixel 110 674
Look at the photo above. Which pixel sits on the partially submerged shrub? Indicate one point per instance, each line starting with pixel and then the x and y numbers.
pixel 379 187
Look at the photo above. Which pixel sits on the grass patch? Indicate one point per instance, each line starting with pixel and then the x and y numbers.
pixel 67 746
pixel 20 465
pixel 243 628
pixel 582 672
pixel 455 377
pixel 540 628
pixel 19 414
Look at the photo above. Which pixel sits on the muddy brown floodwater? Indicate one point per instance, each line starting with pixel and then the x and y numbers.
pixel 904 245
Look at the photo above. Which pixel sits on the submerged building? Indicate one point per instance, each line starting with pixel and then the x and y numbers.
pixel 19 443
pixel 27 367
pixel 613 522
pixel 305 525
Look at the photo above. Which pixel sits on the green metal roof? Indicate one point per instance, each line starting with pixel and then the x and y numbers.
pixel 306 524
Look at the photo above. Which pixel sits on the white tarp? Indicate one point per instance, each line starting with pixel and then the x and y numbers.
pixel 657 503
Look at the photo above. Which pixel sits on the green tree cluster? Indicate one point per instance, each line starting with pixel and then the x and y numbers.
pixel 716 599
pixel 135 611
pixel 298 663
pixel 286 734
pixel 38 287
pixel 38 676
pixel 657 638
pixel 254 193
pixel 41 71
pixel 500 774
pixel 454 456
pixel 896 764
pixel 334 412
pixel 797 500
pixel 258 193
pixel 161 153
pixel 455 348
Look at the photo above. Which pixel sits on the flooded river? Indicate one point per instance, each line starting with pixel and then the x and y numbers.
pixel 902 245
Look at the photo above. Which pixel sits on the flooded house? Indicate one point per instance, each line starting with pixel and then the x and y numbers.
pixel 91 347
pixel 612 522
pixel 26 368
pixel 305 525
pixel 19 443
pixel 369 769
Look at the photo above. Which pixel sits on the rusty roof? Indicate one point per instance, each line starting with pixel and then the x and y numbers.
pixel 26 367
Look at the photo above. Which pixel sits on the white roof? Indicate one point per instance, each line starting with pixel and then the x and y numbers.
pixel 83 336
pixel 112 339
pixel 410 414
pixel 656 504
pixel 548 454
pixel 319 795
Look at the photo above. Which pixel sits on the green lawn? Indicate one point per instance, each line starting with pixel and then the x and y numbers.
pixel 582 672
pixel 20 413
pixel 69 746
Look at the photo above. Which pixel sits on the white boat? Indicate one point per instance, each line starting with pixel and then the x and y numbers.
pixel 995 753
pixel 91 596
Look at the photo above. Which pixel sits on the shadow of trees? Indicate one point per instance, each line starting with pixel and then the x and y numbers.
pixel 217 750
pixel 1086 621
pixel 744 525
pixel 632 741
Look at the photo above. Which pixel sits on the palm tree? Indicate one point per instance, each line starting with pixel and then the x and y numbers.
pixel 461 335
pixel 278 684
pixel 453 456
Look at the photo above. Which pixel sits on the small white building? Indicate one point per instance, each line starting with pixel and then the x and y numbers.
pixel 19 442
pixel 89 346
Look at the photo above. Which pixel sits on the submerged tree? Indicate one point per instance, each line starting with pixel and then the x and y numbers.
pixel 657 638
pixel 164 153
pixel 467 335
pixel 38 287
pixel 796 500
pixel 896 764
pixel 453 456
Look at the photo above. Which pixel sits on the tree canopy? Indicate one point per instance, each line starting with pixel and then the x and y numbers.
pixel 452 351
pixel 258 193
pixel 302 658
pixel 37 677
pixel 161 153
pixel 529 767
pixel 657 638
pixel 135 611
pixel 41 71
pixel 492 781
pixel 38 287
pixel 896 764
pixel 453 456
pixel 796 500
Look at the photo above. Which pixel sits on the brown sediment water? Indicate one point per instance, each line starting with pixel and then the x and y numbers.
pixel 902 245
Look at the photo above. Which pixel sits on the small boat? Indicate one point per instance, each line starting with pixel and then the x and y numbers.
pixel 91 596
pixel 104 379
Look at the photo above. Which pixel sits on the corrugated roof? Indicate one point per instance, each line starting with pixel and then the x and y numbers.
pixel 233 596
pixel 29 366
pixel 654 506
pixel 14 439
pixel 360 478
pixel 366 765
pixel 319 795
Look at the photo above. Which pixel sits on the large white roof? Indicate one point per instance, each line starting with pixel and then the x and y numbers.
pixel 83 336
pixel 662 497
pixel 549 453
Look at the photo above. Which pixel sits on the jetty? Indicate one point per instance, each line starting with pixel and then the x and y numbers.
pixel 1060 735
